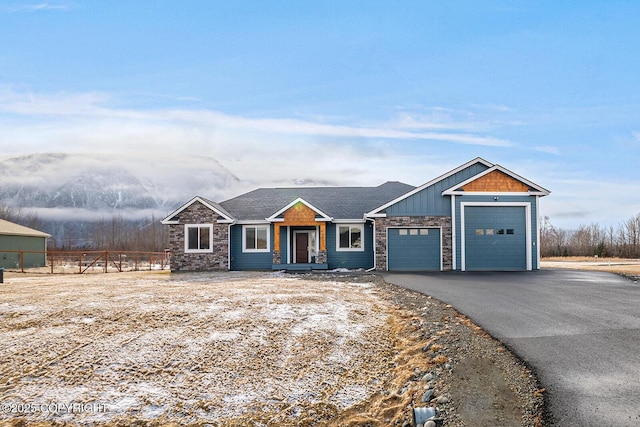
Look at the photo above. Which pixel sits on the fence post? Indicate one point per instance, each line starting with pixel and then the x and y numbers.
pixel 22 261
pixel 106 260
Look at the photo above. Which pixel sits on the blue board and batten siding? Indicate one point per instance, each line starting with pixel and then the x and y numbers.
pixel 429 201
pixel 336 259
pixel 350 259
pixel 248 260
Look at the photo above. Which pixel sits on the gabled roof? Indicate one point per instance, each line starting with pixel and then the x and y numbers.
pixel 334 202
pixel 8 228
pixel 208 203
pixel 323 216
pixel 377 210
pixel 534 189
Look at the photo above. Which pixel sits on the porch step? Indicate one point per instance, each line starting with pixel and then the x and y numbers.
pixel 300 267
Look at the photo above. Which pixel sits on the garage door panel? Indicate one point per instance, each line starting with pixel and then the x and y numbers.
pixel 413 249
pixel 495 238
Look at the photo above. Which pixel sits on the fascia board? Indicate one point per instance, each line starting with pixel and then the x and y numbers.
pixel 168 220
pixel 375 215
pixel 494 193
pixel 428 184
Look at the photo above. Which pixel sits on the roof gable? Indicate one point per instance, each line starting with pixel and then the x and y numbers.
pixel 478 161
pixel 215 207
pixel 299 210
pixel 497 180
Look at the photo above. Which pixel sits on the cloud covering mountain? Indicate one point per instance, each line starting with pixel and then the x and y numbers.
pixel 59 186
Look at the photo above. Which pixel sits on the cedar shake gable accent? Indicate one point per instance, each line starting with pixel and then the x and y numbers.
pixel 496 181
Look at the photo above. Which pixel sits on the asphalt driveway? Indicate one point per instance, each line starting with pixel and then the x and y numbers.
pixel 579 330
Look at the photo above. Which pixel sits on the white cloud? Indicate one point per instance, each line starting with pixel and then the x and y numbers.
pixel 258 150
pixel 34 7
pixel 547 149
pixel 91 105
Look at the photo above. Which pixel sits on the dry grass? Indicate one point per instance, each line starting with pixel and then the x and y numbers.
pixel 203 349
pixel 629 267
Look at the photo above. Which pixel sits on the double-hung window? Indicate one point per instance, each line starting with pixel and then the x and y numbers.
pixel 255 238
pixel 350 237
pixel 198 238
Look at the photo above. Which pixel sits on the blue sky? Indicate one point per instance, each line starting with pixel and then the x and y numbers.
pixel 339 92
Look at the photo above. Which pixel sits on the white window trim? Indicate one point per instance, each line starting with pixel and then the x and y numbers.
pixel 186 239
pixel 244 238
pixel 362 231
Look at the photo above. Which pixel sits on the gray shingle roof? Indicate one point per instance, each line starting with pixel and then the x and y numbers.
pixel 336 202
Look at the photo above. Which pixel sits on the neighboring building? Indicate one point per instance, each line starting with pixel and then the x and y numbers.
pixel 13 238
pixel 479 216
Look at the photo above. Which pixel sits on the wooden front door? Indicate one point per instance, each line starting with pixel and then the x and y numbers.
pixel 302 248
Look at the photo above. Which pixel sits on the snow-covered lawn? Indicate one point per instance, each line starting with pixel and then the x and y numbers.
pixel 264 348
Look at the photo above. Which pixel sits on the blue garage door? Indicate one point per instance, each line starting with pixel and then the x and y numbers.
pixel 413 249
pixel 495 238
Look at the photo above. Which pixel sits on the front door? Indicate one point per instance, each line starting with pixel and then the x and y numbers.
pixel 302 248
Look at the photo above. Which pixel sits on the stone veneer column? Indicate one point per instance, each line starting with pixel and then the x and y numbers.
pixel 321 258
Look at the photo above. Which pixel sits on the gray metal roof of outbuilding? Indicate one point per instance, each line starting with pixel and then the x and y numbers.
pixel 336 202
pixel 8 228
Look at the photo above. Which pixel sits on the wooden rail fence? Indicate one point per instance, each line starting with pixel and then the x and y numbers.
pixel 84 260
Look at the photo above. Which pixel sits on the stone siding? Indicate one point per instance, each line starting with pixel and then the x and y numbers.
pixel 413 221
pixel 218 259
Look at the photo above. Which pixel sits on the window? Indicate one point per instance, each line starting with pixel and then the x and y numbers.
pixel 198 238
pixel 350 238
pixel 255 238
pixel 424 232
pixel 479 231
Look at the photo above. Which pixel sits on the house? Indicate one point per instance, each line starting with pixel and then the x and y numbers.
pixel 478 216
pixel 21 246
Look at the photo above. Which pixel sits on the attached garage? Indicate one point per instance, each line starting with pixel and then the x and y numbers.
pixel 414 249
pixel 496 236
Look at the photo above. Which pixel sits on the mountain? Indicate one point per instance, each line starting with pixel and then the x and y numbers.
pixel 61 186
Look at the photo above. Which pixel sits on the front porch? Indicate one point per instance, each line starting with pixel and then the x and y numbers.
pixel 303 231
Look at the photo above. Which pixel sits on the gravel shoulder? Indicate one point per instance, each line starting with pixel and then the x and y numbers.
pixel 263 349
